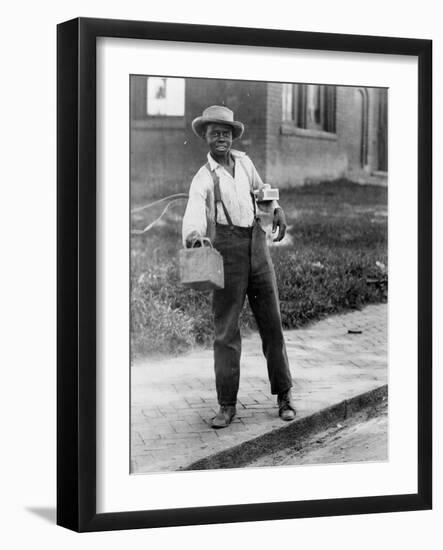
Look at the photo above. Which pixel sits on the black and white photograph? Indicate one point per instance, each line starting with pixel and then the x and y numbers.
pixel 258 273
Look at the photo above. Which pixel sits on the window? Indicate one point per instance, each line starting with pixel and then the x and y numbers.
pixel 165 96
pixel 288 102
pixel 310 106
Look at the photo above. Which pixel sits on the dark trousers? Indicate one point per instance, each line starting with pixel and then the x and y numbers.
pixel 248 272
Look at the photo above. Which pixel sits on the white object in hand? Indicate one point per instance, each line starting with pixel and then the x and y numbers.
pixel 266 193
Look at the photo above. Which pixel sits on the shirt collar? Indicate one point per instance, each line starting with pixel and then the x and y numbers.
pixel 213 164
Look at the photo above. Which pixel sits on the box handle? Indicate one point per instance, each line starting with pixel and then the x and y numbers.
pixel 202 240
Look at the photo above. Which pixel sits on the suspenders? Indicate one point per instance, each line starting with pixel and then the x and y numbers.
pixel 217 195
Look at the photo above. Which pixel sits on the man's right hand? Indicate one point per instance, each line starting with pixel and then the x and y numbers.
pixel 191 238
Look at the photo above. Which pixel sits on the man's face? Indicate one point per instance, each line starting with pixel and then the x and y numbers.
pixel 219 138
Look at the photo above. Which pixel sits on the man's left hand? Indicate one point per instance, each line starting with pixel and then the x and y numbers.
pixel 279 222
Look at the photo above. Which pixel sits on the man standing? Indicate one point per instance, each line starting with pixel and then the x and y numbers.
pixel 222 205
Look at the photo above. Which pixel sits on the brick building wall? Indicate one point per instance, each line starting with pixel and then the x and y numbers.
pixel 165 153
pixel 296 156
pixel 156 143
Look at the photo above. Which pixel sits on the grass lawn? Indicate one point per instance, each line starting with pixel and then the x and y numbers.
pixel 337 241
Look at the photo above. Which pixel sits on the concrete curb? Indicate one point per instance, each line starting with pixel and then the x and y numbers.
pixel 281 438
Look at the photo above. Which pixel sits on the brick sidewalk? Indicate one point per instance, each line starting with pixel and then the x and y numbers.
pixel 173 399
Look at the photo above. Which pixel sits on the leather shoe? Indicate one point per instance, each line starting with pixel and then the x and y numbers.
pixel 224 416
pixel 286 407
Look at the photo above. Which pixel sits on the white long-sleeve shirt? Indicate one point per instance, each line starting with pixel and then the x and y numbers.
pixel 235 193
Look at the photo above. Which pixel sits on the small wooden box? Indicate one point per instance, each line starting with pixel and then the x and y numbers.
pixel 201 268
pixel 267 193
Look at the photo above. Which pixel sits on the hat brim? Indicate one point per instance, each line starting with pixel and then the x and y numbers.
pixel 199 124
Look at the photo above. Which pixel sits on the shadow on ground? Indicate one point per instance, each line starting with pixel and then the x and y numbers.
pixel 48 514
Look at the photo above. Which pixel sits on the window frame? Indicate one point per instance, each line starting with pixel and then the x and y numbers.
pixel 297 123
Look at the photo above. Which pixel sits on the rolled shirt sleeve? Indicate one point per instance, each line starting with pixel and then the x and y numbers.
pixel 257 183
pixel 194 218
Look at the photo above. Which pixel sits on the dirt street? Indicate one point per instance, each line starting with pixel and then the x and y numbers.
pixel 362 438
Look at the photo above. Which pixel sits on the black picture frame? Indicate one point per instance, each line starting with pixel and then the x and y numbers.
pixel 76 274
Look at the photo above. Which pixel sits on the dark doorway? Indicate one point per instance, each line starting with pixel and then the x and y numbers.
pixel 382 133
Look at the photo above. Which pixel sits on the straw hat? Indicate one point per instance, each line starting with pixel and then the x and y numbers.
pixel 217 114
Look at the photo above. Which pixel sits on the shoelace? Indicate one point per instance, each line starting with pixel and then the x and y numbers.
pixel 285 401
